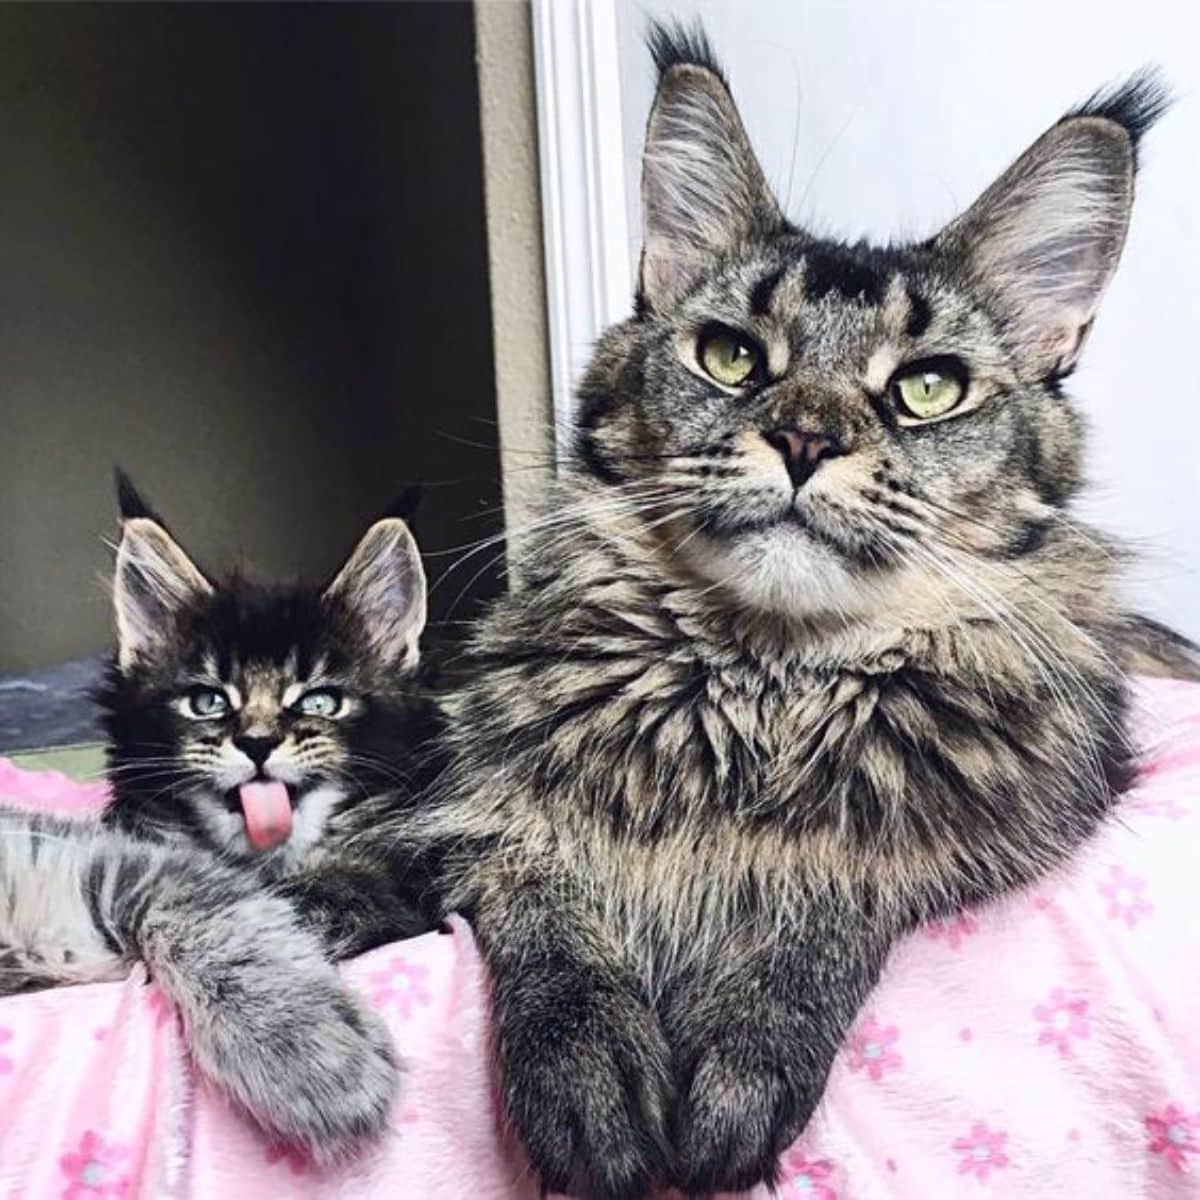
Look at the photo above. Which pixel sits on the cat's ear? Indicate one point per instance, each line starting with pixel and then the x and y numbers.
pixel 702 188
pixel 131 502
pixel 383 585
pixel 153 582
pixel 1044 240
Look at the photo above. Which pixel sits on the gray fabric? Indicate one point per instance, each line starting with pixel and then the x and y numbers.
pixel 52 707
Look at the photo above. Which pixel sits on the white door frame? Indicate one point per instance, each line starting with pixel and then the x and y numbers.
pixel 589 278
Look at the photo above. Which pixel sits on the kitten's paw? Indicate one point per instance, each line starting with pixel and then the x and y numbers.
pixel 319 1073
pixel 734 1123
pixel 591 1102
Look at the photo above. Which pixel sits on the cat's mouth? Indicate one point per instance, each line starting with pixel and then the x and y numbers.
pixel 267 808
pixel 833 526
pixel 807 520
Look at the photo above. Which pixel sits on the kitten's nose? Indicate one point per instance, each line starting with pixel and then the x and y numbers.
pixel 802 452
pixel 256 749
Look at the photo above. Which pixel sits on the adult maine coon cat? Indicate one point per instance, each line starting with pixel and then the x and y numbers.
pixel 808 649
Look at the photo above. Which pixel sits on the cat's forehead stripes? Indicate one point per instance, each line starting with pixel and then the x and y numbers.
pixel 848 272
pixel 864 278
pixel 815 271
pixel 896 309
pixel 920 313
pixel 763 291
pixel 887 325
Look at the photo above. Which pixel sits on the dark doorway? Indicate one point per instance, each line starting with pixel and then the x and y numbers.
pixel 243 256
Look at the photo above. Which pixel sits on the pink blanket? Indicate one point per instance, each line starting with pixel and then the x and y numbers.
pixel 1046 1047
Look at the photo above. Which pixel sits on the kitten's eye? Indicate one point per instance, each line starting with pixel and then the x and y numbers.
pixel 927 392
pixel 206 704
pixel 321 702
pixel 729 357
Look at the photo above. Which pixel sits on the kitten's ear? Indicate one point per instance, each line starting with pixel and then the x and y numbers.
pixel 131 502
pixel 702 188
pixel 383 584
pixel 154 580
pixel 1045 238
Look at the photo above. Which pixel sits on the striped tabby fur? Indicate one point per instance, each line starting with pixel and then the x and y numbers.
pixel 169 877
pixel 790 671
pixel 262 648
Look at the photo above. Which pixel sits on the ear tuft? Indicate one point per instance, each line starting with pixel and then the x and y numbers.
pixel 674 44
pixel 405 505
pixel 130 502
pixel 153 582
pixel 1135 104
pixel 383 586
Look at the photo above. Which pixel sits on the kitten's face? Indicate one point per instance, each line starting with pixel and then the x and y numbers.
pixel 248 714
pixel 823 428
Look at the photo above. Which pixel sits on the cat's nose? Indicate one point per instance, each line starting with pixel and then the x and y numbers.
pixel 802 452
pixel 256 748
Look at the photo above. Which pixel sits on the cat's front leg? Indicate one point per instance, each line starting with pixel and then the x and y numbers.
pixel 584 1066
pixel 265 1015
pixel 755 1039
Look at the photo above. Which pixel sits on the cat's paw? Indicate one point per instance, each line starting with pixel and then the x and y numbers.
pixel 590 1103
pixel 319 1073
pixel 734 1123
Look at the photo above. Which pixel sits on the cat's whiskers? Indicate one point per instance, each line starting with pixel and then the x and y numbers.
pixel 1046 660
pixel 1032 589
pixel 569 518
pixel 564 525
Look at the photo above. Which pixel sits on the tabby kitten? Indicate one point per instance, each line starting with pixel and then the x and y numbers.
pixel 808 649
pixel 275 726
pixel 257 737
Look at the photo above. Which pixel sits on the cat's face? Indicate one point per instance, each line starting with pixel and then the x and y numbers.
pixel 246 714
pixel 817 427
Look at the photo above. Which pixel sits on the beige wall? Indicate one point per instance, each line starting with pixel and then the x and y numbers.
pixel 243 255
pixel 514 217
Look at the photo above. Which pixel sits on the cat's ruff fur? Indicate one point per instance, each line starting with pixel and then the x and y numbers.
pixel 727 742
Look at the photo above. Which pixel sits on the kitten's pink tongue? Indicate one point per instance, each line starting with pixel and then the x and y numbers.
pixel 268 813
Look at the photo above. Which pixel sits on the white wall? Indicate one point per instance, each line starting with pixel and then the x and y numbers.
pixel 884 119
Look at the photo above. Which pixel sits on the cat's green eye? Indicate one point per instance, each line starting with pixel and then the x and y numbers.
pixel 320 702
pixel 927 392
pixel 728 357
pixel 206 704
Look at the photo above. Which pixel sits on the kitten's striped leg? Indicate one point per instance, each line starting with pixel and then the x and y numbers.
pixel 265 1016
pixel 48 934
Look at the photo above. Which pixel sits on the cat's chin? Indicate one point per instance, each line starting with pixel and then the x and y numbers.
pixel 783 570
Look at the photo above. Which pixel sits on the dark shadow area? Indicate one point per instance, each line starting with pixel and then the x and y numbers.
pixel 243 255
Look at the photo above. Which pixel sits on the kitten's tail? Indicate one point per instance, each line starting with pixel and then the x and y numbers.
pixel 265 1016
pixel 1150 648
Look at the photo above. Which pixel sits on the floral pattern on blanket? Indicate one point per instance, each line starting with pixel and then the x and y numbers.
pixel 1044 1047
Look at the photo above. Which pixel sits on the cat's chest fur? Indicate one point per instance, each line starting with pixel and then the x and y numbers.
pixel 677 758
